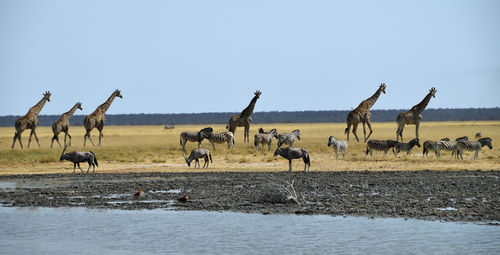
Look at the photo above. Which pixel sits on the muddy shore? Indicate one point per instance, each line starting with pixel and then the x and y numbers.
pixel 469 196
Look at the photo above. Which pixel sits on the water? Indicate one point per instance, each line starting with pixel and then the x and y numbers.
pixel 92 231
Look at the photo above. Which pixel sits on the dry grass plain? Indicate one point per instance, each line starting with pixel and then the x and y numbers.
pixel 153 148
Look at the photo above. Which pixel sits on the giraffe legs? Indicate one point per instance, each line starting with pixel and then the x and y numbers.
pixel 371 130
pixel 364 131
pixel 417 125
pixel 399 132
pixel 87 135
pixel 17 136
pixel 100 137
pixel 36 138
pixel 246 138
pixel 67 134
pixel 354 128
pixel 56 138
pixel 347 130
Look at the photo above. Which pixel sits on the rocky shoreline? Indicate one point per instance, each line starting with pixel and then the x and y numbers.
pixel 464 196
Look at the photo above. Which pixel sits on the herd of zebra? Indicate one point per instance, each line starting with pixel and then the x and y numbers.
pixel 457 147
pixel 264 138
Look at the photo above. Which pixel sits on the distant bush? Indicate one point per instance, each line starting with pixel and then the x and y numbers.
pixel 268 117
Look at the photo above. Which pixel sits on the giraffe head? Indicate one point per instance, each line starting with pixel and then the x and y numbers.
pixel 382 87
pixel 46 95
pixel 118 93
pixel 79 106
pixel 257 93
pixel 433 91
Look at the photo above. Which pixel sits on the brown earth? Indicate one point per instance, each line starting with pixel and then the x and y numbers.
pixel 472 196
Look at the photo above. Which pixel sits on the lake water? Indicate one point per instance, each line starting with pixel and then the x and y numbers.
pixel 92 231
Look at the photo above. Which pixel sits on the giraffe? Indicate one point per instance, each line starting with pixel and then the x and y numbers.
pixel 413 115
pixel 62 125
pixel 244 118
pixel 97 118
pixel 30 121
pixel 362 114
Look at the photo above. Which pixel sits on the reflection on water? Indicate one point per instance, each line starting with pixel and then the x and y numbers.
pixel 80 230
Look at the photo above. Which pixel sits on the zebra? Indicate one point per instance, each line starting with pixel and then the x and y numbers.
pixel 288 138
pixel 265 138
pixel 433 146
pixel 194 137
pixel 224 137
pixel 293 153
pixel 449 146
pixel 379 145
pixel 473 146
pixel 405 147
pixel 337 146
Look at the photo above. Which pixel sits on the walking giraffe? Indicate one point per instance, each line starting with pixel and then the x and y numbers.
pixel 413 115
pixel 362 114
pixel 62 125
pixel 97 118
pixel 244 118
pixel 30 121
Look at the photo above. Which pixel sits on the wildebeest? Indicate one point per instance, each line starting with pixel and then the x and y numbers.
pixel 293 153
pixel 196 154
pixel 76 157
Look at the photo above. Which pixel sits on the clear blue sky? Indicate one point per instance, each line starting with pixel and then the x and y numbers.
pixel 210 56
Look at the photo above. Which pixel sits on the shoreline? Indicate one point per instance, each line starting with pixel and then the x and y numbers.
pixel 459 196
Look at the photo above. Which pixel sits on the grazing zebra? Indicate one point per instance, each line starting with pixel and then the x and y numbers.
pixel 449 146
pixel 265 138
pixel 224 137
pixel 293 153
pixel 473 146
pixel 288 138
pixel 478 135
pixel 337 146
pixel 405 147
pixel 194 136
pixel 379 145
pixel 433 146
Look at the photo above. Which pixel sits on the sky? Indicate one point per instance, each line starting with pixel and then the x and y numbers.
pixel 210 56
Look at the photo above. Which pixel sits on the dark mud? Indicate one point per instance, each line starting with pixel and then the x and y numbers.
pixel 432 195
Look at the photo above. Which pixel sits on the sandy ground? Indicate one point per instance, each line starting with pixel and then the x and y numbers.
pixel 472 196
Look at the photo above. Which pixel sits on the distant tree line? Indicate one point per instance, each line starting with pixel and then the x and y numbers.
pixel 268 117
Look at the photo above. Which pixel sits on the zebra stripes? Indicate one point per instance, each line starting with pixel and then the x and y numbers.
pixel 288 138
pixel 473 146
pixel 405 146
pixel 194 136
pixel 379 145
pixel 338 146
pixel 265 138
pixel 433 146
pixel 225 137
pixel 449 146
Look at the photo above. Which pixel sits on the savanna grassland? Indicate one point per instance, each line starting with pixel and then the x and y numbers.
pixel 153 148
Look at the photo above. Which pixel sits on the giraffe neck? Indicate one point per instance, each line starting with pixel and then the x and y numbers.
pixel 36 109
pixel 71 111
pixel 419 108
pixel 368 103
pixel 371 100
pixel 249 110
pixel 105 106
